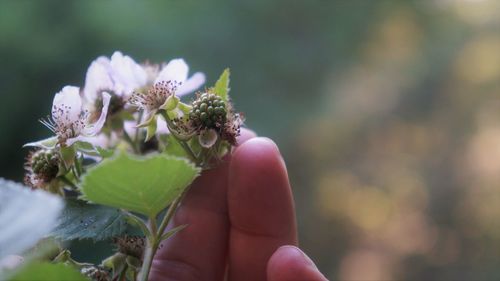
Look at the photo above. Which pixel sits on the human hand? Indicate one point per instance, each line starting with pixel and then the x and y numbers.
pixel 241 223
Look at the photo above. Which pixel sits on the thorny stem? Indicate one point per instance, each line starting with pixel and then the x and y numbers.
pixel 130 141
pixel 73 170
pixel 78 167
pixel 136 137
pixel 189 151
pixel 156 235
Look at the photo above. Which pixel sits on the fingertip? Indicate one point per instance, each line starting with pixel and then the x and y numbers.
pixel 261 208
pixel 256 148
pixel 260 195
pixel 290 263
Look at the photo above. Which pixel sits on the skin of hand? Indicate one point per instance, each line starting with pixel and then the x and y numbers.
pixel 241 223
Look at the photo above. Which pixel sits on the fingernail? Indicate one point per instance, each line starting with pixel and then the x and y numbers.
pixel 297 253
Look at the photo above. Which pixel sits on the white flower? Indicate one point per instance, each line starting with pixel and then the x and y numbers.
pixel 70 121
pixel 177 71
pixel 171 80
pixel 119 75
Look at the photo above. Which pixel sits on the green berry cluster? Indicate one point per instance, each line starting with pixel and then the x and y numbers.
pixel 45 164
pixel 209 111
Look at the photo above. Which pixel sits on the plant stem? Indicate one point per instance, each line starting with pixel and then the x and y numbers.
pixel 136 137
pixel 170 213
pixel 156 235
pixel 189 151
pixel 130 141
pixel 78 167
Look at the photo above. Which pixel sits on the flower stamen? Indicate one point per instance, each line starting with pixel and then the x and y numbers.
pixel 155 97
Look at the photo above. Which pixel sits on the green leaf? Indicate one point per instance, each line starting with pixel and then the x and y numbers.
pixel 25 216
pixel 221 87
pixel 81 220
pixel 48 271
pixel 145 185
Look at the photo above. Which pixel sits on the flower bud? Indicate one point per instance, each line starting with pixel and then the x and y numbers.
pixel 45 164
pixel 131 245
pixel 42 166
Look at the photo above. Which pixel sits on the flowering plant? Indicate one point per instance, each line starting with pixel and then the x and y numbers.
pixel 124 150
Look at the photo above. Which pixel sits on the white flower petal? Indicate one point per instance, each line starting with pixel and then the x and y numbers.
pixel 97 78
pixel 175 70
pixel 11 262
pixel 67 105
pixel 191 84
pixel 91 130
pixel 128 74
pixel 26 216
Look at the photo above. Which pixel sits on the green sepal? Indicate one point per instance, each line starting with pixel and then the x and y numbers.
pixel 104 153
pixel 85 147
pixel 48 143
pixel 92 150
pixel 171 114
pixel 173 231
pixel 149 118
pixel 68 154
pixel 185 108
pixel 114 262
pixel 151 129
pixel 171 103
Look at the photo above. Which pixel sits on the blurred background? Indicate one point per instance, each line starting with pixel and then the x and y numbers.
pixel 387 112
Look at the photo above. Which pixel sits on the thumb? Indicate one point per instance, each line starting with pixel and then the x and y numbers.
pixel 290 263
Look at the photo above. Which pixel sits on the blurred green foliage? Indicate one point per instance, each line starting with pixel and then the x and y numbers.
pixel 387 112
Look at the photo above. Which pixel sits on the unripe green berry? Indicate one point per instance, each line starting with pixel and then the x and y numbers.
pixel 209 111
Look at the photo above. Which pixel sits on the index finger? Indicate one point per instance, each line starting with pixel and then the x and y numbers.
pixel 261 208
pixel 199 251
